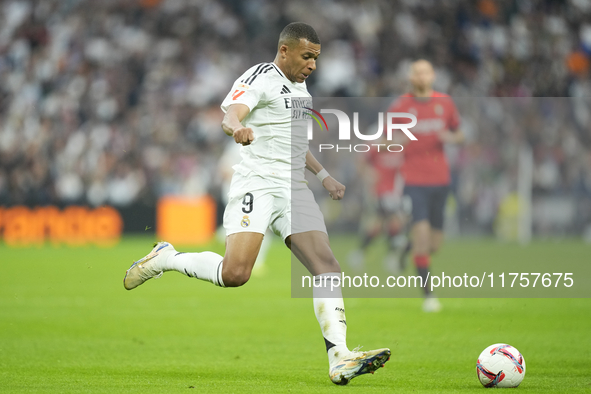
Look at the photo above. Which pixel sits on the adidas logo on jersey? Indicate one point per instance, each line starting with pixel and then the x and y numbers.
pixel 285 90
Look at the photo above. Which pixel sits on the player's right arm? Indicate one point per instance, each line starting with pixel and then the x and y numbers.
pixel 398 106
pixel 246 93
pixel 452 135
pixel 232 124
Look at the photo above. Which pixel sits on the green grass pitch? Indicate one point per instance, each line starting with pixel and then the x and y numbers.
pixel 68 326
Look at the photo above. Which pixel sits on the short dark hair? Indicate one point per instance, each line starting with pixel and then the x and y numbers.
pixel 293 32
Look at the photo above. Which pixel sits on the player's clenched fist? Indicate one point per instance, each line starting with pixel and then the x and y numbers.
pixel 243 136
pixel 336 190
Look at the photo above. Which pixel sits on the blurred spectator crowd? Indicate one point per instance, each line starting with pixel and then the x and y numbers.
pixel 117 101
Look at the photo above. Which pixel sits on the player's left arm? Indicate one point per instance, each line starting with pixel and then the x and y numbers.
pixel 336 190
pixel 453 134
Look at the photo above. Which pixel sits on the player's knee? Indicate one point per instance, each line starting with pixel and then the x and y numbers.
pixel 236 278
pixel 420 247
pixel 236 275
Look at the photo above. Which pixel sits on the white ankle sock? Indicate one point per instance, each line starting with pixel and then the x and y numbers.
pixel 330 313
pixel 205 266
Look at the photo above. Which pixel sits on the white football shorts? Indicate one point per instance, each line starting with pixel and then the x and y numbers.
pixel 256 203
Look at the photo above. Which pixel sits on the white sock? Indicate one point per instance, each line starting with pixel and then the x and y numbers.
pixel 330 313
pixel 205 266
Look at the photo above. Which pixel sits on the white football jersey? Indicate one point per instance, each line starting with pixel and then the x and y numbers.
pixel 269 95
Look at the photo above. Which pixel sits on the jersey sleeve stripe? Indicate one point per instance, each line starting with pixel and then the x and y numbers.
pixel 276 69
pixel 250 80
pixel 255 71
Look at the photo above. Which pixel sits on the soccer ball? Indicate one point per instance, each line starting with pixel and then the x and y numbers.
pixel 500 365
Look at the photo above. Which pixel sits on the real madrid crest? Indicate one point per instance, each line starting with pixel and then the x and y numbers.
pixel 245 221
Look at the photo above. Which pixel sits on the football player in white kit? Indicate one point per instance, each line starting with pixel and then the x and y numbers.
pixel 267 186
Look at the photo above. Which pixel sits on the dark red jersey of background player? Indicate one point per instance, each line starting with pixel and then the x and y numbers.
pixel 386 166
pixel 424 159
